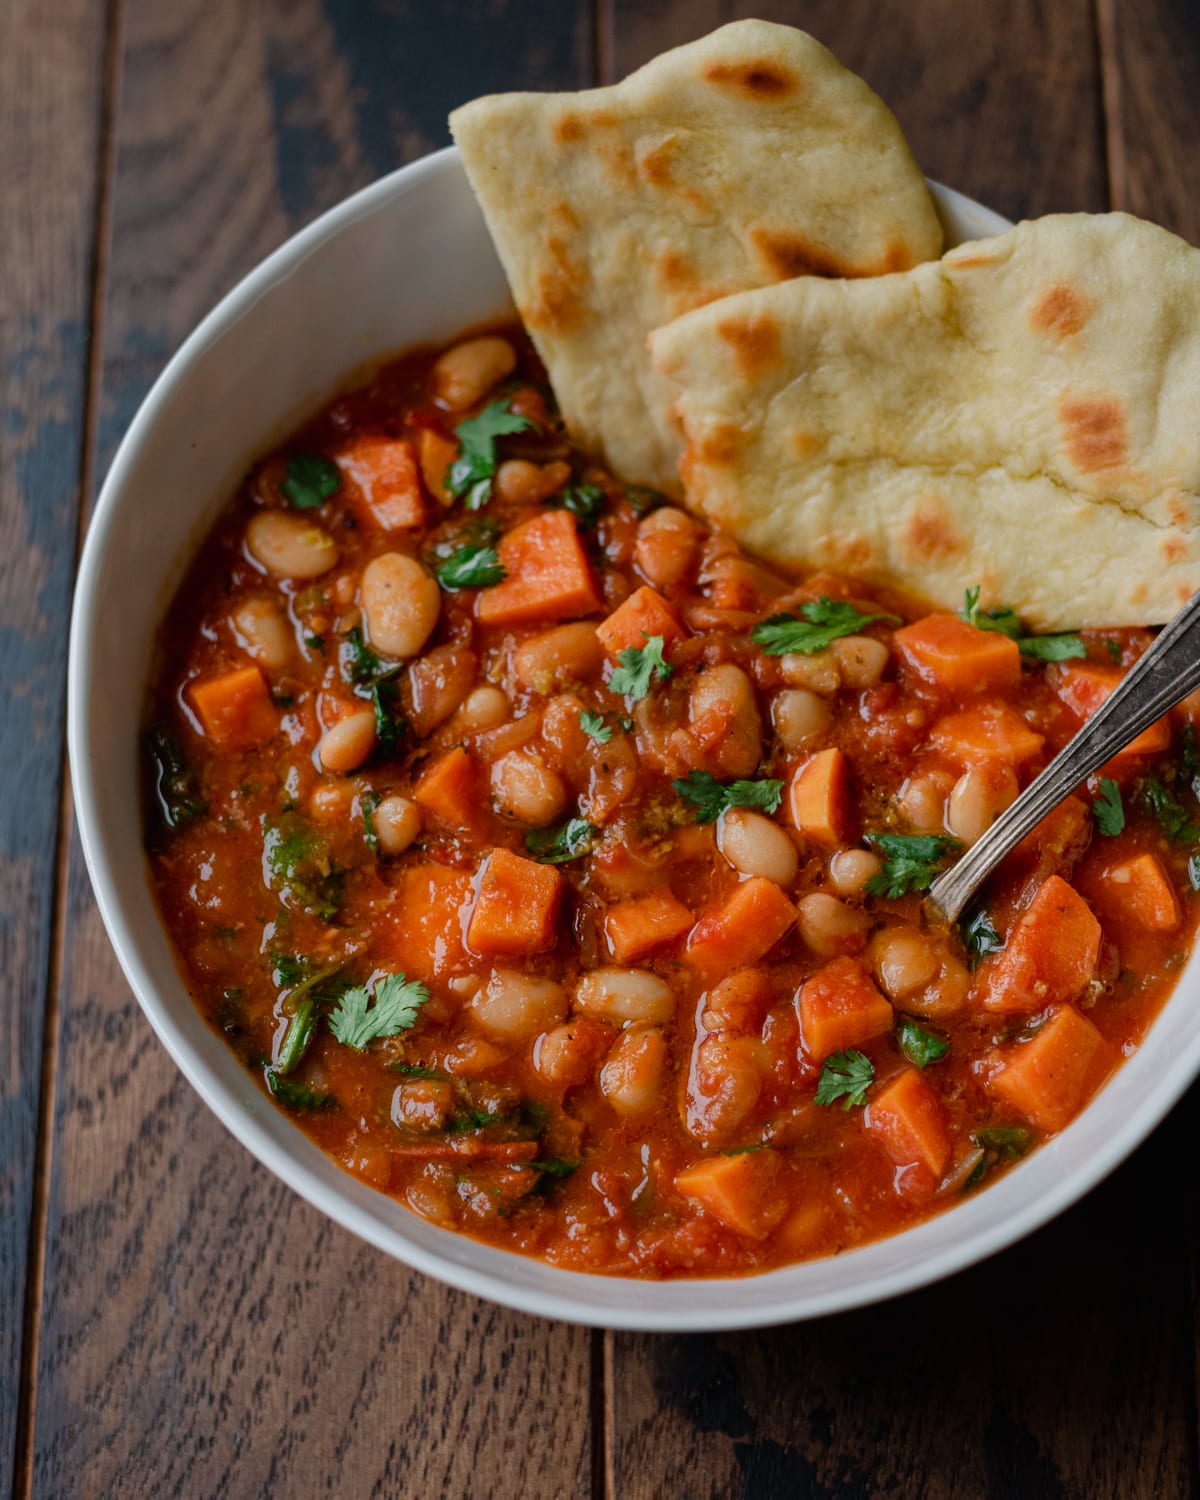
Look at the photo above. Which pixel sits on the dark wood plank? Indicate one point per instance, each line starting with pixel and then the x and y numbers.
pixel 204 1332
pixel 1062 1368
pixel 51 95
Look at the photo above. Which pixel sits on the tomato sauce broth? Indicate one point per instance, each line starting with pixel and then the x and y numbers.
pixel 558 868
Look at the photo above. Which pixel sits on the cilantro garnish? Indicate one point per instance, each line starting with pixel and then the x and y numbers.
pixel 311 480
pixel 397 1001
pixel 472 568
pixel 819 623
pixel 369 801
pixel 416 1070
pixel 921 1047
pixel 175 782
pixel 360 664
pixel 1006 622
pixel 643 499
pixel 846 1076
pixel 637 668
pixel 997 1143
pixel 1171 814
pixel 300 1031
pixel 296 1095
pixel 912 862
pixel 389 725
pixel 584 501
pixel 299 866
pixel 470 475
pixel 1107 809
pixel 555 846
pixel 980 937
pixel 594 727
pixel 554 1169
pixel 1189 759
pixel 710 798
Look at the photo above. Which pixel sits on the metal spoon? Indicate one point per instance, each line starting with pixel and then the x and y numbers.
pixel 1167 672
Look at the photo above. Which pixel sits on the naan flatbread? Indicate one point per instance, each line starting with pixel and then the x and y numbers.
pixel 1023 414
pixel 735 162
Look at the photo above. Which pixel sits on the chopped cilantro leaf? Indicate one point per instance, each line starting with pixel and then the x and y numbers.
pixel 555 846
pixel 637 668
pixel 710 798
pixel 301 1029
pixel 297 865
pixel 552 1170
pixel 472 568
pixel 643 499
pixel 594 727
pixel 470 476
pixel 1107 809
pixel 585 502
pixel 389 725
pixel 175 783
pixel 369 801
pixel 912 862
pixel 1114 651
pixel 1005 621
pixel 980 937
pixel 1008 1142
pixel 362 665
pixel 296 1095
pixel 311 480
pixel 416 1070
pixel 397 1002
pixel 1171 813
pixel 846 1076
pixel 819 623
pixel 921 1047
pixel 1189 759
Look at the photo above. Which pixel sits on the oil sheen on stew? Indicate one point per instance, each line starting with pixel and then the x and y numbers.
pixel 558 868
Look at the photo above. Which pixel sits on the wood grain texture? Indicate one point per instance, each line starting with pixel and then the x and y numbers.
pixel 51 84
pixel 203 1331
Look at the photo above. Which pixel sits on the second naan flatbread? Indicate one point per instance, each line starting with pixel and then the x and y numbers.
pixel 735 162
pixel 1023 414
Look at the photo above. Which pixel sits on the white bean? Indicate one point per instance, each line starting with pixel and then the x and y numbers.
pixel 828 926
pixel 401 602
pixel 977 799
pixel 861 659
pixel 922 800
pixel 800 716
pixel 903 960
pixel 850 869
pixel 821 671
pixel 619 995
pixel 631 1079
pixel 348 743
pixel 397 822
pixel 522 483
pixel 528 790
pixel 513 1006
pixel 483 708
pixel 465 373
pixel 568 653
pixel 665 546
pixel 264 633
pixel 755 846
pixel 288 546
pixel 726 687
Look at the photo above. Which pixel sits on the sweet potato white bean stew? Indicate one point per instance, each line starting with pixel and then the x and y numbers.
pixel 558 868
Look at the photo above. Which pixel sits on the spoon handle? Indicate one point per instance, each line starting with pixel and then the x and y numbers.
pixel 1167 672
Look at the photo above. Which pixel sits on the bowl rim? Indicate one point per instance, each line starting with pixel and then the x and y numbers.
pixel 699 1314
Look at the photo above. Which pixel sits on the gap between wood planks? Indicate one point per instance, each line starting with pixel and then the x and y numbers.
pixel 26 1429
pixel 1116 161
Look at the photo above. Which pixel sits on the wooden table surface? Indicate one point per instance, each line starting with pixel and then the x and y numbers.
pixel 175 1322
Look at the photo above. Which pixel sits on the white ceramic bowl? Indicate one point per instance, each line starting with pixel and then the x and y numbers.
pixel 408 261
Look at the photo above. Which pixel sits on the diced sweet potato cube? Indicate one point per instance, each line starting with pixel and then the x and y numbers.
pixel 906 1118
pixel 449 790
pixel 1050 1077
pixel 819 799
pixel 636 927
pixel 956 658
pixel 549 577
pixel 235 709
pixel 749 922
pixel 644 614
pixel 437 455
pixel 1142 888
pixel 385 471
pixel 840 1007
pixel 739 1190
pixel 422 931
pixel 1050 954
pixel 1062 835
pixel 1084 686
pixel 516 910
pixel 991 733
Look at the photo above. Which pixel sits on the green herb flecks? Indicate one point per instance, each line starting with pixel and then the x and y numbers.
pixel 1170 812
pixel 594 727
pixel 1005 621
pixel 643 499
pixel 584 501
pixel 296 863
pixel 389 724
pixel 980 937
pixel 470 476
pixel 921 1047
pixel 368 802
pixel 912 862
pixel 367 1012
pixel 360 665
pixel 301 1029
pixel 176 784
pixel 311 480
pixel 818 624
pixel 1108 809
pixel 637 668
pixel 846 1076
pixel 472 568
pixel 296 1095
pixel 997 1143
pixel 555 846
pixel 710 797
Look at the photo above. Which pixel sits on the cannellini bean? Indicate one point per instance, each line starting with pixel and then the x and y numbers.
pixel 755 846
pixel 946 995
pixel 263 632
pixel 465 373
pixel 922 800
pixel 521 483
pixel 422 1103
pixel 348 743
pixel 512 1005
pixel 619 995
pixel 726 688
pixel 568 1054
pixel 800 717
pixel 568 653
pixel 483 708
pixel 724 1085
pixel 288 546
pixel 528 790
pixel 666 546
pixel 631 1079
pixel 861 660
pixel 828 926
pixel 739 1002
pixel 903 959
pixel 397 822
pixel 977 799
pixel 850 869
pixel 332 801
pixel 821 672
pixel 435 684
pixel 401 602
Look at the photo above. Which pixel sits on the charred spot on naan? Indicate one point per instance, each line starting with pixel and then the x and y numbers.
pixel 756 344
pixel 785 253
pixel 761 79
pixel 1174 549
pixel 930 534
pixel 1093 432
pixel 1060 310
pixel 557 304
